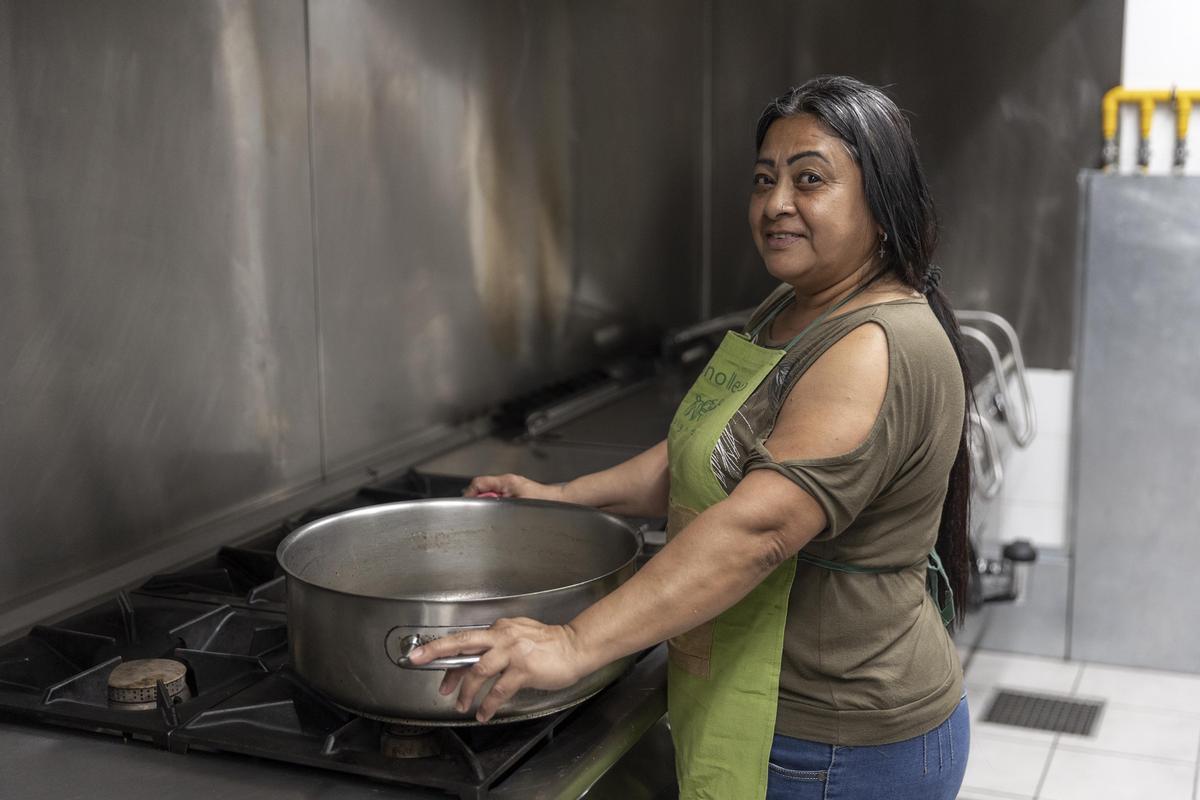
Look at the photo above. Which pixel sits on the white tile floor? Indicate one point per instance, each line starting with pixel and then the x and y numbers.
pixel 1146 745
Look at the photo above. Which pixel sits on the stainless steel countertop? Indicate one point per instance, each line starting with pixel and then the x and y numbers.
pixel 49 763
pixel 598 440
pixel 638 420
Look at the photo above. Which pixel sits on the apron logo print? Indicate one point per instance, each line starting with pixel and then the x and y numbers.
pixel 729 382
pixel 700 406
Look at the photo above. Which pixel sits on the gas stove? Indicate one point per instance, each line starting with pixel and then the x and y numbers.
pixel 196 661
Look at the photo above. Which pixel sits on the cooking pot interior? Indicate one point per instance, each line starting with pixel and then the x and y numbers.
pixel 457 550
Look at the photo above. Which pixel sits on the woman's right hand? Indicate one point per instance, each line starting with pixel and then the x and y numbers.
pixel 513 486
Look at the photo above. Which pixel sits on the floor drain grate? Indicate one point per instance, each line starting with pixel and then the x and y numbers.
pixel 1044 712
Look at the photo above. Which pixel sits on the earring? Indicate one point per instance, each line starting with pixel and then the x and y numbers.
pixel 882 241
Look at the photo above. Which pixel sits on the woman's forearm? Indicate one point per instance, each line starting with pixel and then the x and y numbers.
pixel 713 563
pixel 637 487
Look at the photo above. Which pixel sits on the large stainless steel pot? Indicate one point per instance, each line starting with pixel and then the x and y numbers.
pixel 365 586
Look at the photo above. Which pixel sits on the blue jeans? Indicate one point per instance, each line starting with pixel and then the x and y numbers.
pixel 925 767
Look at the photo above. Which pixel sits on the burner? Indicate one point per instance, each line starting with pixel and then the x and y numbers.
pixel 132 684
pixel 409 741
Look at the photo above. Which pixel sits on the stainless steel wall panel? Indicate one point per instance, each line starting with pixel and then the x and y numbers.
pixel 637 119
pixel 389 120
pixel 503 193
pixel 157 320
pixel 1006 110
pixel 752 55
pixel 489 203
pixel 1135 463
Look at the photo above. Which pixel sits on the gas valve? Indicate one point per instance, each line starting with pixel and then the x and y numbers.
pixel 1006 579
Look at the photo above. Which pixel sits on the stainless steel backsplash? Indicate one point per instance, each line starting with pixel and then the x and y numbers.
pixel 1005 105
pixel 157 319
pixel 495 183
pixel 247 245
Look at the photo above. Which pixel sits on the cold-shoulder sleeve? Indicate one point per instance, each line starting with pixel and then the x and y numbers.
pixel 846 484
pixel 899 471
pixel 842 485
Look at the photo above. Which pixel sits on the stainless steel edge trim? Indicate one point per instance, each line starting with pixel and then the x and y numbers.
pixel 571 763
pixel 1085 181
pixel 322 422
pixel 547 419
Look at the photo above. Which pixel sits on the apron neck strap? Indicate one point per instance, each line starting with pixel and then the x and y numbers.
pixel 773 312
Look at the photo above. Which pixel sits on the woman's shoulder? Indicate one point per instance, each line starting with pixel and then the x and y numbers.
pixel 910 322
pixel 920 347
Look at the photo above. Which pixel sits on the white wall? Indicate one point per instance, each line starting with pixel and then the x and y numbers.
pixel 1161 50
pixel 1033 500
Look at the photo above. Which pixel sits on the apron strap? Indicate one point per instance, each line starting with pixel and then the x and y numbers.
pixel 788 297
pixel 852 569
pixel 937 582
pixel 769 316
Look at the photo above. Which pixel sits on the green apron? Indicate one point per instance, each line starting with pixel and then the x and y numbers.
pixel 723 677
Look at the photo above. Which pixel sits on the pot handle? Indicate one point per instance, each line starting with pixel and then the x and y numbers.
pixel 413 641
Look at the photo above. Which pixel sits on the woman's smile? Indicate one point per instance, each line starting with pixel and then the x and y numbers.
pixel 782 240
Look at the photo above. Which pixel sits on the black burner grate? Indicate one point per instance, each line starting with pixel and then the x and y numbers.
pixel 59 673
pixel 224 618
pixel 1044 712
pixel 281 717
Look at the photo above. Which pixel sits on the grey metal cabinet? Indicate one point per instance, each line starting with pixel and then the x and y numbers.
pixel 1136 445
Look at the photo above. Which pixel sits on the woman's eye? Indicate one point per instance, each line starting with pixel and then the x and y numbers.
pixel 761 179
pixel 808 178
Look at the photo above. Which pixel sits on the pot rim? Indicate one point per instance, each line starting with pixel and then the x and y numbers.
pixel 290 539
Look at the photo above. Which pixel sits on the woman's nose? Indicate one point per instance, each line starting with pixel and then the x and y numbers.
pixel 780 202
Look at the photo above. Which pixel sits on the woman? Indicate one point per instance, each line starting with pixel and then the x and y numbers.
pixel 807 477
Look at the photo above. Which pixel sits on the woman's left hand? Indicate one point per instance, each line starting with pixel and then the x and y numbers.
pixel 521 652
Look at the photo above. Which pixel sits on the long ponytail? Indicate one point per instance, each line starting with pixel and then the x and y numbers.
pixel 953 541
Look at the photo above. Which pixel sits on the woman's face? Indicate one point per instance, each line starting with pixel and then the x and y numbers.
pixel 808 212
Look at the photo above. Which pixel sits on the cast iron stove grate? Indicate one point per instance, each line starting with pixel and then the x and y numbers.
pixel 282 718
pixel 224 619
pixel 60 673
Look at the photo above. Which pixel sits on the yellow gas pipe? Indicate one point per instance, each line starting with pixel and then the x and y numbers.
pixel 1146 99
pixel 1183 111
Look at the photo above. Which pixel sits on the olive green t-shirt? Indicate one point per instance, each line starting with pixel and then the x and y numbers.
pixel 866 658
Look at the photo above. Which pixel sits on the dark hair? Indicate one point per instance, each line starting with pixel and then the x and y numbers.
pixel 880 140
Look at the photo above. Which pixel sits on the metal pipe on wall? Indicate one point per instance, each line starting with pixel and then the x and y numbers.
pixel 1146 100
